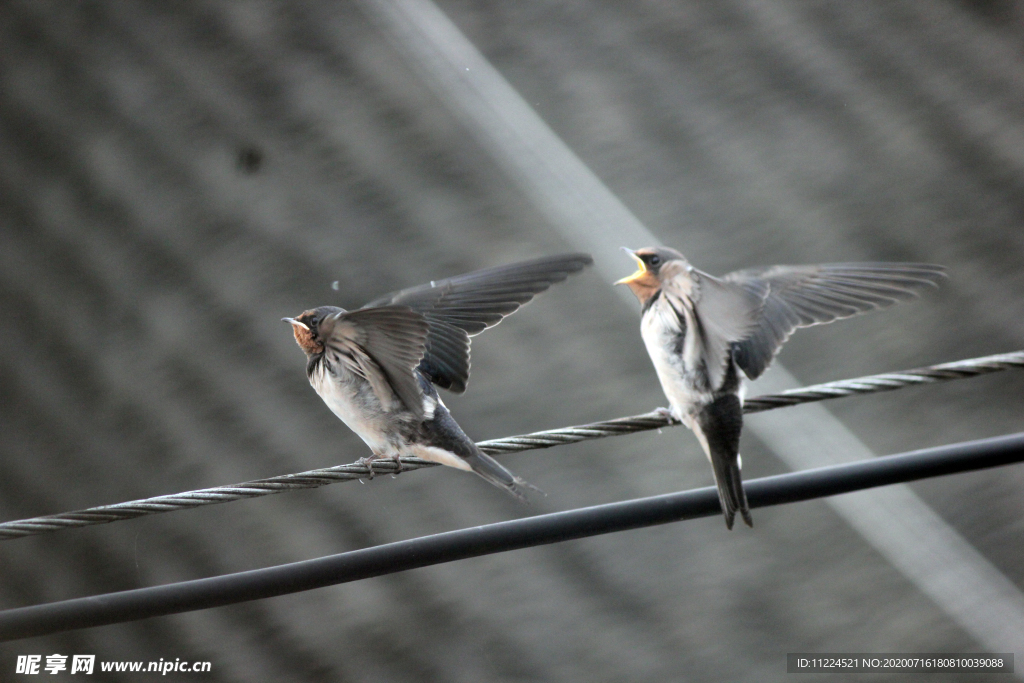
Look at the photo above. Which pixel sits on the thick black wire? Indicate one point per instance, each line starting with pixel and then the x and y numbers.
pixel 112 608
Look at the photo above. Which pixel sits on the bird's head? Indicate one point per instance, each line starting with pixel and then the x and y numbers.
pixel 309 330
pixel 654 264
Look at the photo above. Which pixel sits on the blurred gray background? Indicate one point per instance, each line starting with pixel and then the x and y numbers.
pixel 177 176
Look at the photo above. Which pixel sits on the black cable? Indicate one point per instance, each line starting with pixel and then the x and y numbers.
pixel 112 608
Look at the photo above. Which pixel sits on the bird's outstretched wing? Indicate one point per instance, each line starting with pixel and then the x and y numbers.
pixel 800 296
pixel 723 314
pixel 383 345
pixel 459 307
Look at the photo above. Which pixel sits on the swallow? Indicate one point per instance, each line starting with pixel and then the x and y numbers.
pixel 704 333
pixel 377 367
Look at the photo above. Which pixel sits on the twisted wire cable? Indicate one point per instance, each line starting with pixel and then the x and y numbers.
pixel 889 381
pixel 545 439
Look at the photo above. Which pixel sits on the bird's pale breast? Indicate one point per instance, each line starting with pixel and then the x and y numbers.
pixel 669 346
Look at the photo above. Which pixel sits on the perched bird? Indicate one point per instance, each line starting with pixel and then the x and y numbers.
pixel 376 367
pixel 701 331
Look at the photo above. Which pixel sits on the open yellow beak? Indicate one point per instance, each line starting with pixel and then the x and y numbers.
pixel 642 269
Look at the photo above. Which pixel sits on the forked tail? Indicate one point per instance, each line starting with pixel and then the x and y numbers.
pixel 488 468
pixel 720 424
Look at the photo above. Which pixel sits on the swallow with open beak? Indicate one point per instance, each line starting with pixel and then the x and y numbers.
pixel 376 367
pixel 702 331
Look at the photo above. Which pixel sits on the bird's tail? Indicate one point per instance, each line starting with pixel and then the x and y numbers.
pixel 488 468
pixel 730 490
pixel 720 425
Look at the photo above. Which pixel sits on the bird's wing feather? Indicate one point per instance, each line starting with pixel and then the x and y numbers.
pixel 463 306
pixel 724 313
pixel 384 345
pixel 799 296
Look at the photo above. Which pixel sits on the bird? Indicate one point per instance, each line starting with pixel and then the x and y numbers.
pixel 378 367
pixel 705 333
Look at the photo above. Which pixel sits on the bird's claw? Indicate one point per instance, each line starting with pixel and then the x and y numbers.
pixel 666 414
pixel 368 463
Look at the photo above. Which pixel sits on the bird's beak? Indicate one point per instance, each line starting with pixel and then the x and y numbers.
pixel 296 323
pixel 641 268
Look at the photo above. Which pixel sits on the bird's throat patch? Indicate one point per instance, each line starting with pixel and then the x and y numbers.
pixel 643 284
pixel 306 341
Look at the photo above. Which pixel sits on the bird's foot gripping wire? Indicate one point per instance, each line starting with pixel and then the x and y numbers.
pixel 667 414
pixel 367 462
pixel 398 464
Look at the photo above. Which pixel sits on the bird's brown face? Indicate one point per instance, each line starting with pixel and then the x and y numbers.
pixel 644 282
pixel 304 328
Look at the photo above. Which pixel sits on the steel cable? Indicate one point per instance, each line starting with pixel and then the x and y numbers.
pixel 545 439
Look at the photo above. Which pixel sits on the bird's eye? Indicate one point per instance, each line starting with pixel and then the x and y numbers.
pixel 654 260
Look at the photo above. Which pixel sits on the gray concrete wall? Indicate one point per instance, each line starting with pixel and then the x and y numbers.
pixel 175 177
